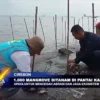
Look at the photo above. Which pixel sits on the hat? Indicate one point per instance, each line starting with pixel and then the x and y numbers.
pixel 98 25
pixel 35 43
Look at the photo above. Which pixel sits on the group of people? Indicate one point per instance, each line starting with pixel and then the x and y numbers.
pixel 17 53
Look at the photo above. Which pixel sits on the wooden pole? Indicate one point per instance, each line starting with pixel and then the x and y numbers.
pixel 11 27
pixel 54 23
pixel 36 12
pixel 93 15
pixel 56 31
pixel 54 28
pixel 79 21
pixel 42 28
pixel 62 28
pixel 74 20
pixel 65 35
pixel 68 36
pixel 33 27
pixel 26 28
pixel 74 24
pixel 54 20
pixel 82 22
pixel 88 24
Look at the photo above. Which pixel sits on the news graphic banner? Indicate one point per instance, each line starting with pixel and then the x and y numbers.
pixel 42 79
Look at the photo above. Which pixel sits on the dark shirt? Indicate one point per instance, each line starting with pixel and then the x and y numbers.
pixel 88 45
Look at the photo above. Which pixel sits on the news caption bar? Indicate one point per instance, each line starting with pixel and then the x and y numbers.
pixel 39 79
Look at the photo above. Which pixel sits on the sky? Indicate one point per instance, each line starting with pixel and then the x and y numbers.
pixel 48 7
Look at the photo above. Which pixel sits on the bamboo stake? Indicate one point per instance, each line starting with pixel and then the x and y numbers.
pixel 33 27
pixel 62 28
pixel 82 21
pixel 65 35
pixel 11 27
pixel 26 28
pixel 54 20
pixel 74 24
pixel 54 23
pixel 54 26
pixel 88 25
pixel 36 12
pixel 42 28
pixel 56 31
pixel 79 21
pixel 68 36
pixel 74 20
pixel 93 15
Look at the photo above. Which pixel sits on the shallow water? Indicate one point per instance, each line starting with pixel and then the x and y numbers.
pixel 19 30
pixel 49 60
pixel 54 64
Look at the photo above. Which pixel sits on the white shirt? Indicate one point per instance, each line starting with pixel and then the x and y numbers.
pixel 22 60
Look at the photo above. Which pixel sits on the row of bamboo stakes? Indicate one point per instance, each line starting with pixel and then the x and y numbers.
pixel 55 29
pixel 35 30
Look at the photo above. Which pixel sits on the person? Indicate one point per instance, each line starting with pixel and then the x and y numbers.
pixel 16 54
pixel 98 28
pixel 89 48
